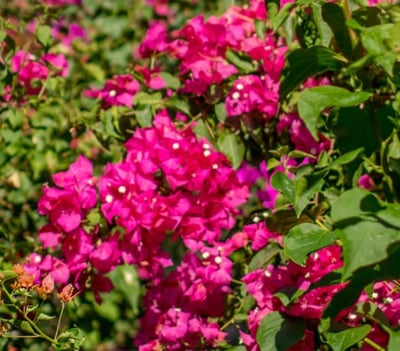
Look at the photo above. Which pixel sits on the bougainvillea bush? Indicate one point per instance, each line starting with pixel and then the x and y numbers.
pixel 193 175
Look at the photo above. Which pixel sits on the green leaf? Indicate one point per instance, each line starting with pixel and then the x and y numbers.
pixel 278 332
pixel 232 146
pixel 242 62
pixel 45 317
pixel 179 104
pixel 352 128
pixel 366 243
pixel 389 214
pixel 304 63
pixel 394 154
pixel 282 16
pixel 394 340
pixel 24 326
pixel 306 187
pixel 202 131
pixel 170 80
pixel 333 15
pixel 125 279
pixel 375 41
pixel 144 116
pixel 349 295
pixel 325 32
pixel 372 312
pixel 220 112
pixel 341 341
pixel 348 205
pixel 264 256
pixel 95 71
pixel 143 98
pixel 314 100
pixel 346 158
pixel 284 185
pixel 43 35
pixel 304 239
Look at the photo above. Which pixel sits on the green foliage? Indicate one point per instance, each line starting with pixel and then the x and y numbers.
pixel 278 332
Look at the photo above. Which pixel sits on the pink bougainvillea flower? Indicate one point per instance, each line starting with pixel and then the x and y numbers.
pixel 32 71
pixel 61 2
pixel 155 40
pixel 300 135
pixel 253 93
pixel 118 91
pixel 67 33
pixel 151 77
pixel 366 182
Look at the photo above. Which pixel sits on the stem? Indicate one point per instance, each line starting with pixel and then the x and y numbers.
pixel 59 320
pixel 321 225
pixel 30 321
pixel 374 344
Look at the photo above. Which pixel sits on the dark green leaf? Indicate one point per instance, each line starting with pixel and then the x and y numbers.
pixel 349 295
pixel 342 340
pixel 334 16
pixel 315 100
pixel 372 311
pixel 394 154
pixel 304 239
pixel 278 332
pixel 304 63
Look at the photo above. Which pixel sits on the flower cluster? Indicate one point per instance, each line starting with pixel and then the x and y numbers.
pixel 169 185
pixel 172 205
pixel 32 71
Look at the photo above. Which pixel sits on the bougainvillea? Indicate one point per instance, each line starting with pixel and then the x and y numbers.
pixel 240 168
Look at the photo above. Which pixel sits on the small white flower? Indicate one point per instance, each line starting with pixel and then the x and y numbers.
pixel 236 95
pixel 218 260
pixel 112 93
pixel 205 255
pixel 175 146
pixel 109 198
pixel 122 189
